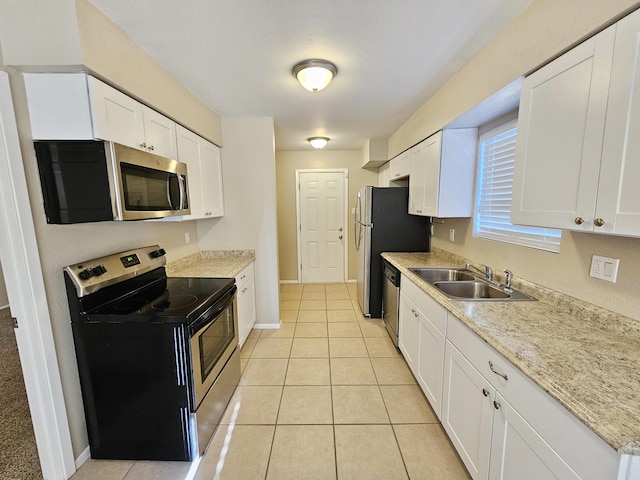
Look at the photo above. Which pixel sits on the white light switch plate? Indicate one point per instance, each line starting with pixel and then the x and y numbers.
pixel 604 268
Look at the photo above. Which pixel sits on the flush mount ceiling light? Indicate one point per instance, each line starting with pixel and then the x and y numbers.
pixel 318 142
pixel 314 74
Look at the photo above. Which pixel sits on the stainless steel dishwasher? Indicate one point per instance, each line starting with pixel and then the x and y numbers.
pixel 390 299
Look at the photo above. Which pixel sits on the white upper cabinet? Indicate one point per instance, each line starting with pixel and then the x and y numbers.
pixel 205 175
pixel 442 174
pixel 575 138
pixel 213 193
pixel 75 106
pixel 400 166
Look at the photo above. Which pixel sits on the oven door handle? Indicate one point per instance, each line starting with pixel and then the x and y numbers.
pixel 214 311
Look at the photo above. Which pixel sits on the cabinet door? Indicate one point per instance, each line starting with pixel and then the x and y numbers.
pixel 417 179
pixel 160 134
pixel 116 116
pixel 431 183
pixel 467 412
pixel 519 452
pixel 400 166
pixel 431 363
pixel 189 152
pixel 409 331
pixel 560 130
pixel 212 191
pixel 619 188
pixel 246 303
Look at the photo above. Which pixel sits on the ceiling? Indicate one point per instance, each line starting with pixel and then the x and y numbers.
pixel 237 56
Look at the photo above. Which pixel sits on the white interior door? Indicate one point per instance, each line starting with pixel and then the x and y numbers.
pixel 321 223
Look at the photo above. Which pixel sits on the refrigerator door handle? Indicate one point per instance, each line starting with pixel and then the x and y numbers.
pixel 357 228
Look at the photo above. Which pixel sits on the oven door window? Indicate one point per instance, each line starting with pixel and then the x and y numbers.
pixel 146 189
pixel 214 340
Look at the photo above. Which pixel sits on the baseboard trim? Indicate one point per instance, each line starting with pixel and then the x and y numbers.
pixel 267 326
pixel 4 307
pixel 83 457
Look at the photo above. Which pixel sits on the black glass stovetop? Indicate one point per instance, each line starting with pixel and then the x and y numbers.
pixel 180 299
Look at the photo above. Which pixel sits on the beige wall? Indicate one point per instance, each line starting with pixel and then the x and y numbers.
pixel 545 29
pixel 542 31
pixel 249 222
pixel 286 164
pixel 36 33
pixel 72 35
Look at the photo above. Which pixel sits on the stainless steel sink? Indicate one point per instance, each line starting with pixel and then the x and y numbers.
pixel 443 274
pixel 463 284
pixel 479 290
pixel 473 290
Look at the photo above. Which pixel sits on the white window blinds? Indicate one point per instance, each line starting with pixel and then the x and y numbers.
pixel 496 158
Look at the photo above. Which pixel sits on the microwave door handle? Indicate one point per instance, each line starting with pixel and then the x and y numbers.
pixel 169 199
pixel 183 190
pixel 180 191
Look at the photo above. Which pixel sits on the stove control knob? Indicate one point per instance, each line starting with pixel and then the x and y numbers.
pixel 85 274
pixel 99 270
pixel 157 253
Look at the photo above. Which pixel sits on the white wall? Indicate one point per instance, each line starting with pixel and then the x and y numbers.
pixel 250 220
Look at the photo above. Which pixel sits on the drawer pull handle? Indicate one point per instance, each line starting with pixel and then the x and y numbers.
pixel 503 375
pixel 485 392
pixel 496 405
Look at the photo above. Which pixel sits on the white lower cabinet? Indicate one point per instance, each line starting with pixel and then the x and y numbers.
pixel 421 340
pixel 246 302
pixel 502 424
pixel 409 332
pixel 505 427
pixel 515 444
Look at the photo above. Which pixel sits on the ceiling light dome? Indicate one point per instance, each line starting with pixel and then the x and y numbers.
pixel 314 74
pixel 318 142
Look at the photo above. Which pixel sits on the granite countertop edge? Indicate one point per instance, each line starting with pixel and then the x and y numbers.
pixel 211 263
pixel 483 318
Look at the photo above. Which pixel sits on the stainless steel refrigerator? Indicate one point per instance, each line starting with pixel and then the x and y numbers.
pixel 382 224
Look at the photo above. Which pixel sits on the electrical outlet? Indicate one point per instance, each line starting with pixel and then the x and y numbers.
pixel 604 268
pixel 187 237
pixel 452 234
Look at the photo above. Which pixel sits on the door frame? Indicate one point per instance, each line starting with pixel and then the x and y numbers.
pixel 28 302
pixel 345 248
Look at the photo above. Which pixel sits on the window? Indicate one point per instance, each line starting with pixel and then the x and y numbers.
pixel 496 158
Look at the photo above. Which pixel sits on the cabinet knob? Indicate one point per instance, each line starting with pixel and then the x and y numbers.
pixel 340 237
pixel 397 175
pixel 151 147
pixel 579 220
pixel 598 222
pixel 143 145
pixel 419 211
pixel 485 392
pixel 496 405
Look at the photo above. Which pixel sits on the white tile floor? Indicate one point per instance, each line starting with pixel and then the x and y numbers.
pixel 326 396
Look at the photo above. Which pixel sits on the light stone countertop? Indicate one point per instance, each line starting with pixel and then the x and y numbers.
pixel 584 356
pixel 211 264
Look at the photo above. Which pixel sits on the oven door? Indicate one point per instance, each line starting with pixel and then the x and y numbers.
pixel 214 337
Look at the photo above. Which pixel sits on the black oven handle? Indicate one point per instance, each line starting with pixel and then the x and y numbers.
pixel 214 311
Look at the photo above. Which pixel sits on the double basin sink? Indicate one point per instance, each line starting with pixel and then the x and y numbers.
pixel 463 284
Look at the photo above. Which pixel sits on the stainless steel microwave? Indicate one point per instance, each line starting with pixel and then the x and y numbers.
pixel 92 181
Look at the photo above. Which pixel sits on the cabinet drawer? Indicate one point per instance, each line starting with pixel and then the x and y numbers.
pixel 560 429
pixel 245 275
pixel 435 312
